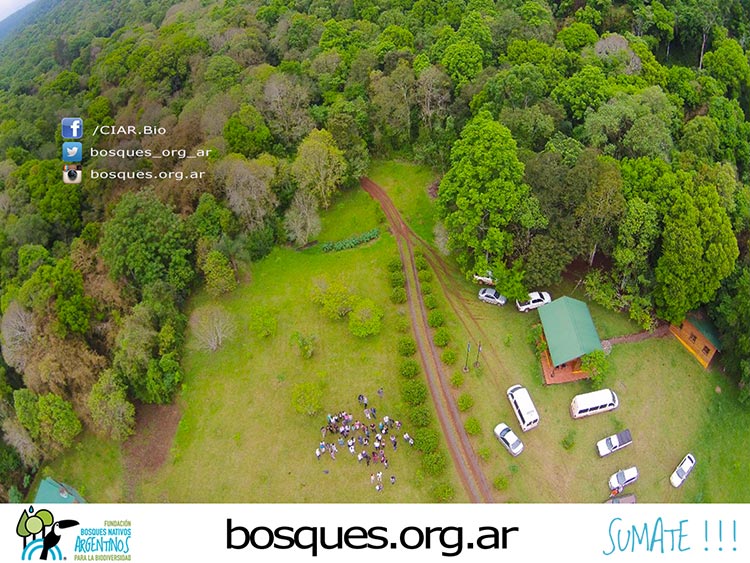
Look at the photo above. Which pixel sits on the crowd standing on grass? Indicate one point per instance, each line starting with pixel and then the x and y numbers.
pixel 369 441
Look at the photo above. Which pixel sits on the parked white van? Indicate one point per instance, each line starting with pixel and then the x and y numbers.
pixel 523 406
pixel 592 403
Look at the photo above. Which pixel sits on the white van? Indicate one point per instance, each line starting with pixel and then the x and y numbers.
pixel 592 403
pixel 524 407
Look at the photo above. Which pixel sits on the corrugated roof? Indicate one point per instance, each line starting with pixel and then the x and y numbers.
pixel 706 328
pixel 569 330
pixel 53 492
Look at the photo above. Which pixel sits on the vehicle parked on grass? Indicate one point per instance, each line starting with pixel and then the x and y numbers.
pixel 594 402
pixel 491 296
pixel 683 470
pixel 508 438
pixel 486 279
pixel 614 442
pixel 536 300
pixel 623 478
pixel 523 406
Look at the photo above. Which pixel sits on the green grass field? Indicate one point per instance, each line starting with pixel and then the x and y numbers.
pixel 240 440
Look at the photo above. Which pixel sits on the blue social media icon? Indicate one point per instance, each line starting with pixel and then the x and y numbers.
pixel 72 127
pixel 72 152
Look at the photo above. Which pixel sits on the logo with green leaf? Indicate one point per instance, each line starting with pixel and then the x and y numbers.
pixel 39 532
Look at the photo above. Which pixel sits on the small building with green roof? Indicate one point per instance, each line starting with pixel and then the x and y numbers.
pixel 55 492
pixel 698 334
pixel 570 334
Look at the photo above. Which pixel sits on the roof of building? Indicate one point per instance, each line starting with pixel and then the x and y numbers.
pixel 54 492
pixel 706 328
pixel 569 330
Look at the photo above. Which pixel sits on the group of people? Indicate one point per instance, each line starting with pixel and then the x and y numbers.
pixel 367 440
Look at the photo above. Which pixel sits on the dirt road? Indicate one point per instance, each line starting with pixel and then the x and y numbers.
pixel 466 463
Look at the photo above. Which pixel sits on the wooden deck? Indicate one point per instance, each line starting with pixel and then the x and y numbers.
pixel 565 373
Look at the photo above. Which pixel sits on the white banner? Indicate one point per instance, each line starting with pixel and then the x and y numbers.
pixel 371 533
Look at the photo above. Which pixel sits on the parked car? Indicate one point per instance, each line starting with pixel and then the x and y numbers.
pixel 683 470
pixel 491 296
pixel 623 478
pixel 486 279
pixel 614 442
pixel 508 439
pixel 536 300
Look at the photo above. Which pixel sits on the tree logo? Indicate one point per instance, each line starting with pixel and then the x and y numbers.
pixel 41 524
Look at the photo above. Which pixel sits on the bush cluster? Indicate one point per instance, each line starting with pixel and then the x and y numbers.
pixel 351 242
pixel 406 346
pixel 442 337
pixel 409 369
pixel 435 319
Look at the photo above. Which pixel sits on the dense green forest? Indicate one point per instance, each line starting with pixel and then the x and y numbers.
pixel 604 132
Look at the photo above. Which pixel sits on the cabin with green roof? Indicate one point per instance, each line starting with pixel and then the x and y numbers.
pixel 570 334
pixel 55 492
pixel 698 334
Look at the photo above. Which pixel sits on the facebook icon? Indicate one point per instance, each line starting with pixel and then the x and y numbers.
pixel 72 127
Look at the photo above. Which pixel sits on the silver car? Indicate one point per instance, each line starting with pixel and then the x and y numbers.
pixel 491 296
pixel 508 439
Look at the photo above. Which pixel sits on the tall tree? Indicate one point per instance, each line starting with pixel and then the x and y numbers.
pixel 699 250
pixel 319 167
pixel 482 194
pixel 247 186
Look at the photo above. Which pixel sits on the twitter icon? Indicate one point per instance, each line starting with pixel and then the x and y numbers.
pixel 72 152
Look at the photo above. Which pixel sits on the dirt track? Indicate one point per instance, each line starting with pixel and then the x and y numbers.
pixel 464 459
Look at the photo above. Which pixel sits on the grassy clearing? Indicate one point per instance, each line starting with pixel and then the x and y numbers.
pixel 666 398
pixel 93 467
pixel 240 440
pixel 408 185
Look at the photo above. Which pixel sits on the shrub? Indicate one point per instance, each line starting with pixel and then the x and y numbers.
pixel 430 302
pixel 365 319
pixel 397 279
pixel 262 322
pixel 402 323
pixel 424 276
pixel 442 337
pixel 420 262
pixel 420 416
pixel 597 365
pixel 465 402
pixel 457 379
pixel 351 242
pixel 500 483
pixel 569 441
pixel 409 369
pixel 413 392
pixel 426 440
pixel 306 344
pixel 449 357
pixel 484 453
pixel 394 264
pixel 426 288
pixel 335 298
pixel 472 426
pixel 398 295
pixel 433 464
pixel 435 319
pixel 406 346
pixel 443 492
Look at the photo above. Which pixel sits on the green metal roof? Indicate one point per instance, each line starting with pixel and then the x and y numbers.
pixel 569 330
pixel 53 492
pixel 706 328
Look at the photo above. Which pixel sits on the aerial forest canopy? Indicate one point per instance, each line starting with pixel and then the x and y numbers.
pixel 613 133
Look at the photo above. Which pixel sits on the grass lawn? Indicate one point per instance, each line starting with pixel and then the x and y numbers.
pixel 240 439
pixel 408 185
pixel 666 398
